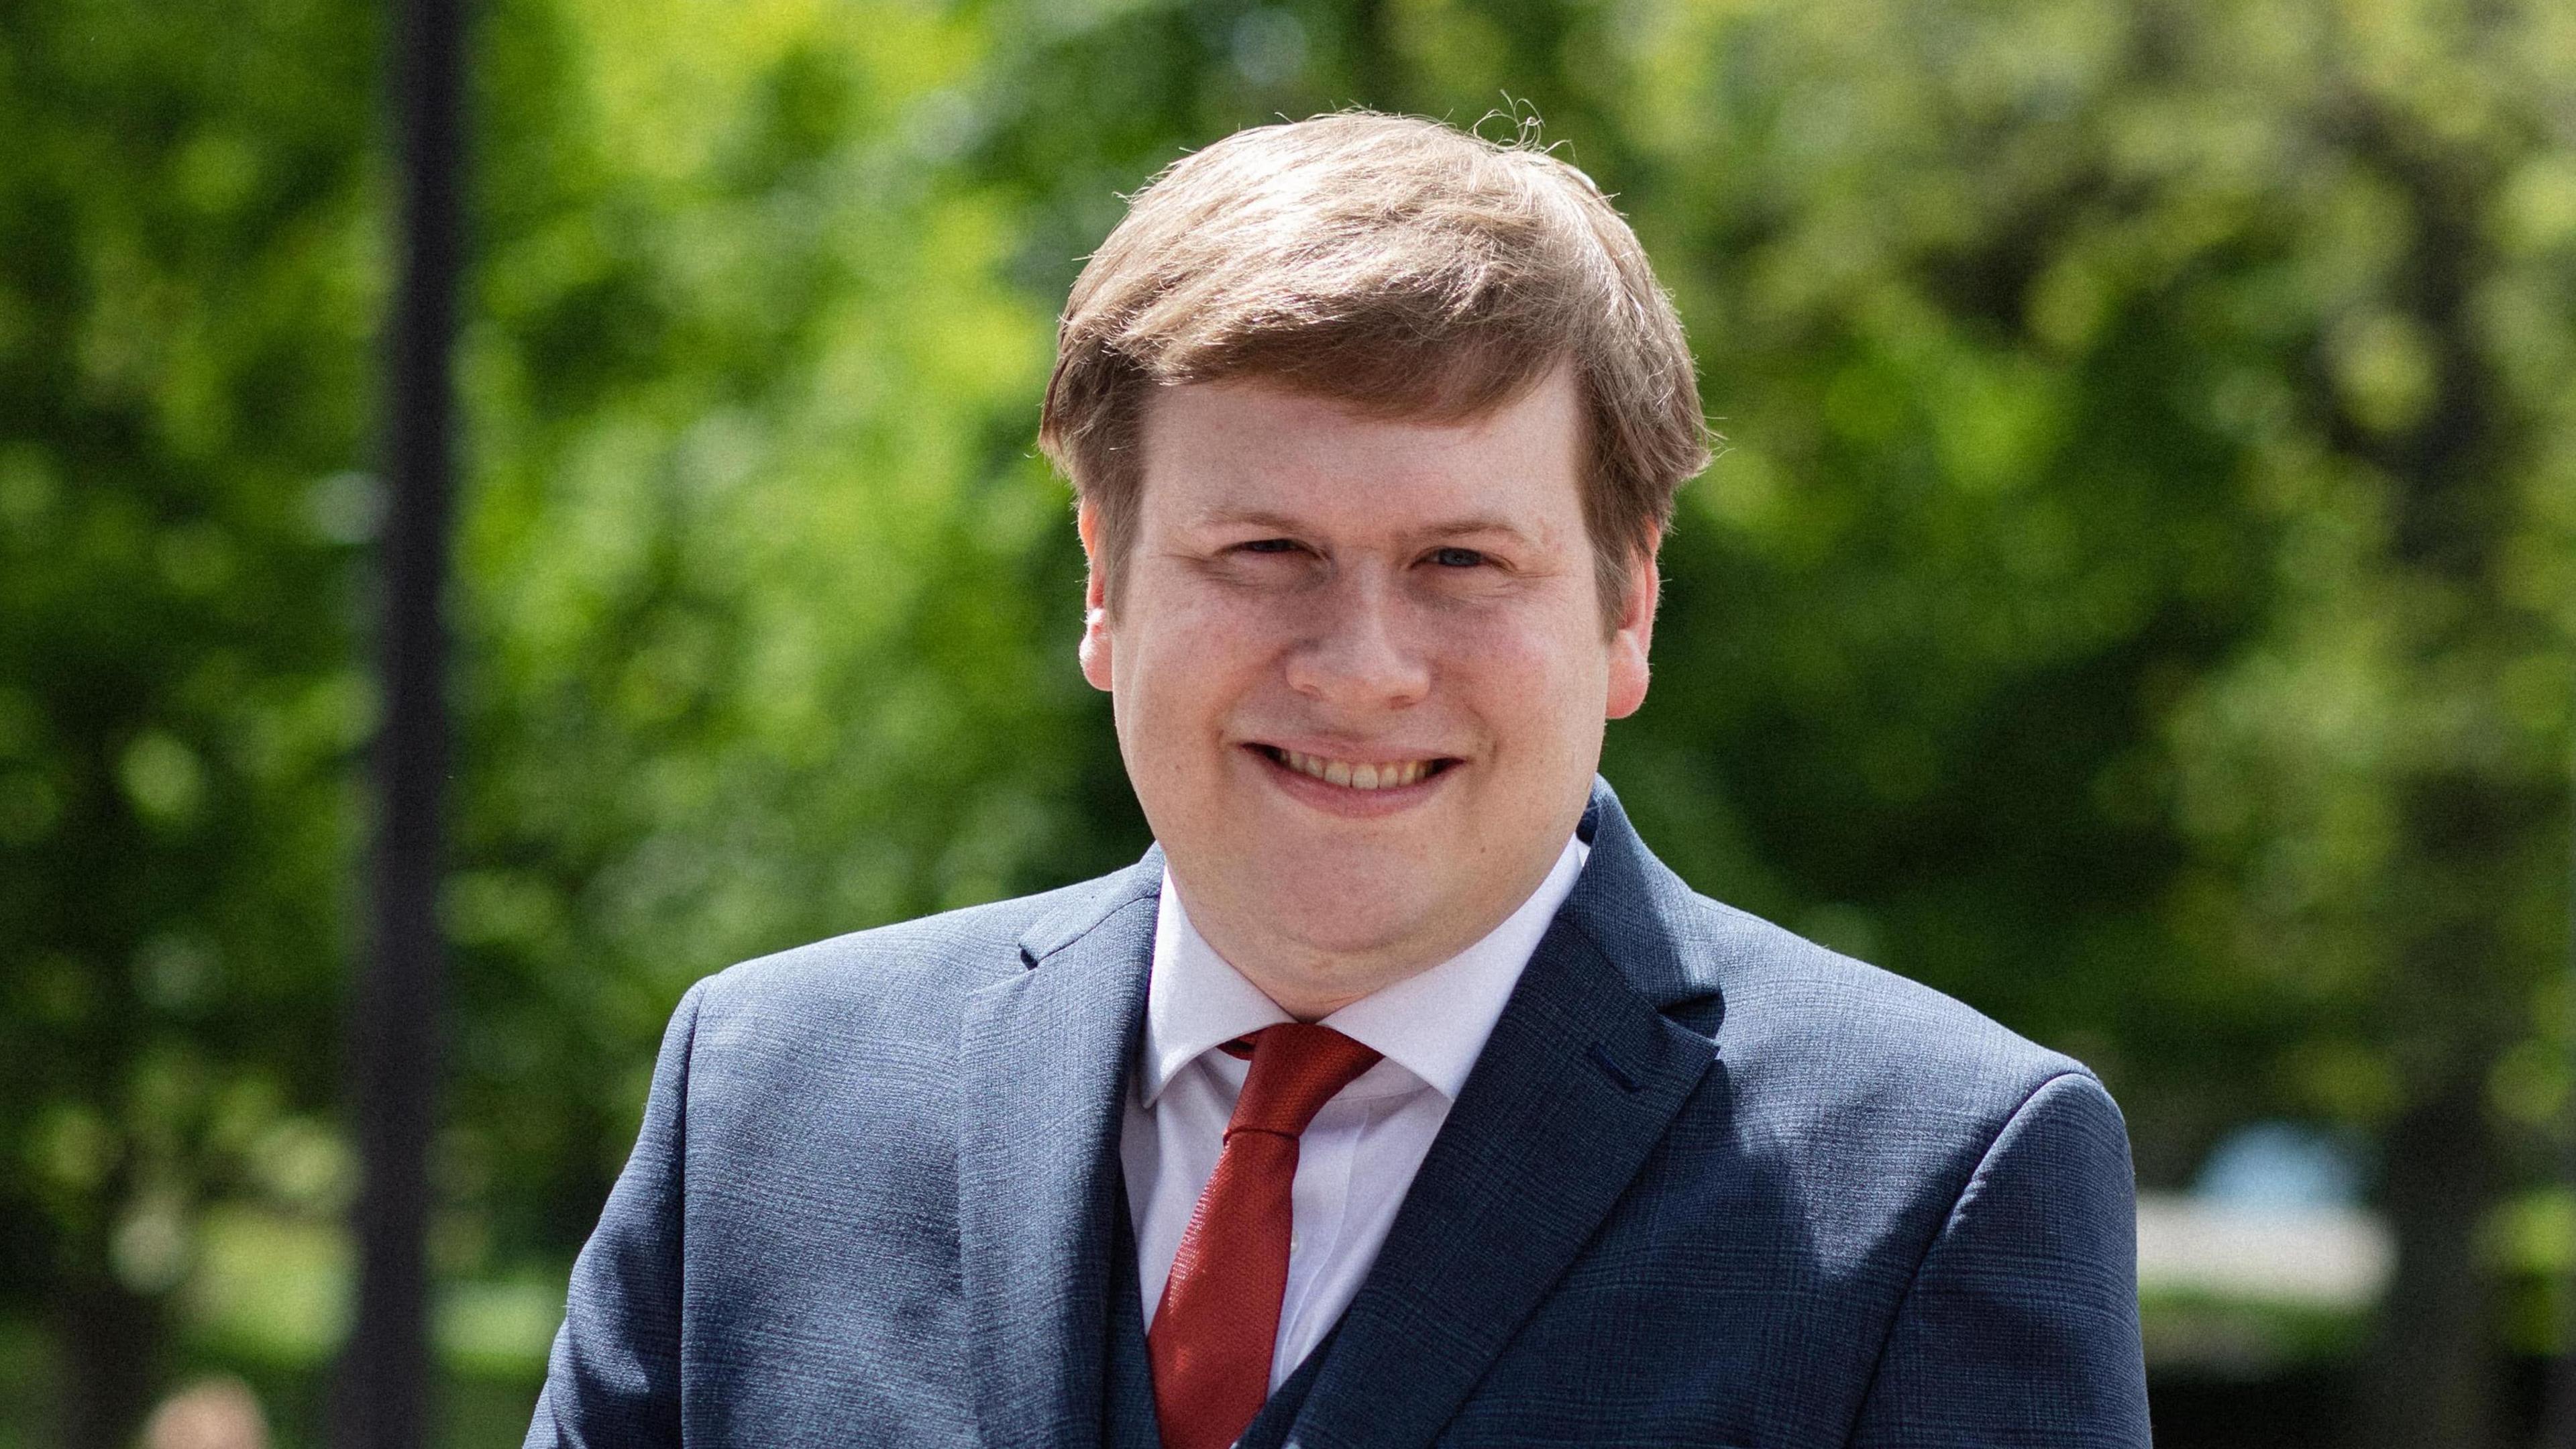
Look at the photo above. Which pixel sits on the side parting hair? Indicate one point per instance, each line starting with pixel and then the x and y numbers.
pixel 1396 265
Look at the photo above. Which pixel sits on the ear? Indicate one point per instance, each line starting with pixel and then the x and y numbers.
pixel 1632 632
pixel 1094 649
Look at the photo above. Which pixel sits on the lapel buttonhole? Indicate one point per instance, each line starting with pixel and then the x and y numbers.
pixel 1610 1067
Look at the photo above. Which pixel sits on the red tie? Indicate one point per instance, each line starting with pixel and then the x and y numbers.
pixel 1218 1323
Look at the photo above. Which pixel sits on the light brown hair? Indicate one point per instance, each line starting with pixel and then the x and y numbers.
pixel 1400 266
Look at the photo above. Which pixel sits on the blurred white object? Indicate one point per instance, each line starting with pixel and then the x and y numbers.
pixel 2323 1256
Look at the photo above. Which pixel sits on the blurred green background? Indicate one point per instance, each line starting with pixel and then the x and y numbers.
pixel 2137 597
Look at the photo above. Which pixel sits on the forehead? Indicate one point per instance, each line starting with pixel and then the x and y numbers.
pixel 1212 449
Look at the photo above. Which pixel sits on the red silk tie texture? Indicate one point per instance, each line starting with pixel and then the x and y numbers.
pixel 1218 1324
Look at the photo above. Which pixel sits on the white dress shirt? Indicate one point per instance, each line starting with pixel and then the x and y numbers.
pixel 1359 1155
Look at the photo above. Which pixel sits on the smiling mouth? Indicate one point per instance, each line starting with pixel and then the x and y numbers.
pixel 1357 775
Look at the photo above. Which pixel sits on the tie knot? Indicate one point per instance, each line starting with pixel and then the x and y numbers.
pixel 1296 1069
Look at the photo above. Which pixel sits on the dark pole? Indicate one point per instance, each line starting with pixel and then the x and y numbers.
pixel 2558 1413
pixel 393 1028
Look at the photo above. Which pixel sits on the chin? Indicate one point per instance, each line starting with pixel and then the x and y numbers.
pixel 1325 920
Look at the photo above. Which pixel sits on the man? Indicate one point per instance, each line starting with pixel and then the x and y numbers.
pixel 1399 1095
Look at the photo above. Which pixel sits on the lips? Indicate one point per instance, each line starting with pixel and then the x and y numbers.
pixel 1358 774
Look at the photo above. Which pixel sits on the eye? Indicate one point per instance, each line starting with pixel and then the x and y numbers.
pixel 1457 558
pixel 1268 545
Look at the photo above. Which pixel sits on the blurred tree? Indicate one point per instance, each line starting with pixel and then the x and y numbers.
pixel 768 615
pixel 187 283
pixel 2165 414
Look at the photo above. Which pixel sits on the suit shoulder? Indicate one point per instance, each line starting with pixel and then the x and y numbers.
pixel 924 961
pixel 1847 1029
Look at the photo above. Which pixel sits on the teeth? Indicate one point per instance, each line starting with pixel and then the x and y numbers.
pixel 1356 777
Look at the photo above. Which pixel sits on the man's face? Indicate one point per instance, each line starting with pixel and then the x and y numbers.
pixel 1360 672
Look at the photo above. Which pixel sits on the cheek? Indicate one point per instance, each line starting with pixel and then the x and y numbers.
pixel 1191 659
pixel 1530 650
pixel 1533 681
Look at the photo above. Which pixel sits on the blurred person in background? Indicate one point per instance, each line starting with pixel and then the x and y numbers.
pixel 1399 1093
pixel 215 1413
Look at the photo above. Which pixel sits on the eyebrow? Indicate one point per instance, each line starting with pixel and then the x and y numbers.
pixel 1462 526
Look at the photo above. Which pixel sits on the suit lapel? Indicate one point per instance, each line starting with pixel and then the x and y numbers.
pixel 1043 1067
pixel 1578 1082
pixel 1127 1419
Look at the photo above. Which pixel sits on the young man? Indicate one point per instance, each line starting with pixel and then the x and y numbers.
pixel 1399 1095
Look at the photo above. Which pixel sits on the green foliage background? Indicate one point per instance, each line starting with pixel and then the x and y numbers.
pixel 2137 596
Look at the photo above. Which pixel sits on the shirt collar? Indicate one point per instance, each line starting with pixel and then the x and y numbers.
pixel 1433 1024
pixel 1194 1000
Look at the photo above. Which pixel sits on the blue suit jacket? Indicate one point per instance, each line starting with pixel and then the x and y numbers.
pixel 1708 1184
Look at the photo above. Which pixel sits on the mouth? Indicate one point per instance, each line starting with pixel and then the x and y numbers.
pixel 1358 775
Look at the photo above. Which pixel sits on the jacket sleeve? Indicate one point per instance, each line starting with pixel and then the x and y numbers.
pixel 613 1378
pixel 2021 1325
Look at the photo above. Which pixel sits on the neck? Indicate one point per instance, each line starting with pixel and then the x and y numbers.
pixel 1311 980
pixel 1311 984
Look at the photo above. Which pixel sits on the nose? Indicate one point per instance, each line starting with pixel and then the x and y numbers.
pixel 1355 654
